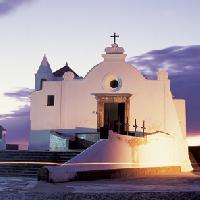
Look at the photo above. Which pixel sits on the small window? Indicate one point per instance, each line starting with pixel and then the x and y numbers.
pixel 114 84
pixel 50 100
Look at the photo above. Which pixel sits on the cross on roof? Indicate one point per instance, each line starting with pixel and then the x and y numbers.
pixel 114 36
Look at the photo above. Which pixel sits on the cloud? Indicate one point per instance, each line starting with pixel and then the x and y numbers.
pixel 176 59
pixel 20 95
pixel 17 122
pixel 18 128
pixel 21 112
pixel 183 65
pixel 6 6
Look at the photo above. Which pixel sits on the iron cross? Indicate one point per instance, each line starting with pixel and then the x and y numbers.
pixel 114 36
pixel 127 126
pixel 143 127
pixel 135 126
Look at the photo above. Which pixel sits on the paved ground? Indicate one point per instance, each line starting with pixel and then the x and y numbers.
pixel 179 186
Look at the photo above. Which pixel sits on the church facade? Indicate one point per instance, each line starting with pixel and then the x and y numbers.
pixel 113 95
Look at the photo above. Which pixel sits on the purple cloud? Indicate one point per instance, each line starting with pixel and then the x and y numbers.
pixel 183 65
pixel 20 95
pixel 21 112
pixel 177 59
pixel 18 129
pixel 7 6
pixel 17 122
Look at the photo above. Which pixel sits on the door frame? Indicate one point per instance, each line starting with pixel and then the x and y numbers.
pixel 112 98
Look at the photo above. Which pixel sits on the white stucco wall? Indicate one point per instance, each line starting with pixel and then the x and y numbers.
pixel 45 117
pixel 75 106
pixel 181 111
pixel 58 143
pixel 39 140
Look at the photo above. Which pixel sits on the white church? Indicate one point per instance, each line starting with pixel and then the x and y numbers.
pixel 113 100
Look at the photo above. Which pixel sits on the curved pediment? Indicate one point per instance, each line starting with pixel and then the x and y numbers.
pixel 115 70
pixel 114 66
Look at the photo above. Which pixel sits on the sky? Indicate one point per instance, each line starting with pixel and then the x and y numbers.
pixel 78 31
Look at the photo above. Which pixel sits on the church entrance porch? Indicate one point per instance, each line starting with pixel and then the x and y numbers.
pixel 112 113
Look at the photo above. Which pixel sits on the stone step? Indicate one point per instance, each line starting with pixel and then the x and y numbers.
pixel 17 175
pixel 19 168
pixel 29 159
pixel 30 169
pixel 39 156
pixel 22 154
pixel 36 156
pixel 23 166
pixel 27 172
pixel 40 152
pixel 37 159
pixel 24 171
pixel 13 170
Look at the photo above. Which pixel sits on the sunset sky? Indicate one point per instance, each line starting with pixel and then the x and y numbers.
pixel 78 31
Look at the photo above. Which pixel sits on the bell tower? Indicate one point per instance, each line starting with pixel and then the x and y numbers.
pixel 44 73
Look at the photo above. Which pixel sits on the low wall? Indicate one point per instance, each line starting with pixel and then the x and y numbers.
pixel 125 173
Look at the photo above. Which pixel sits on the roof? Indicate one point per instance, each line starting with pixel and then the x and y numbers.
pixel 61 71
pixel 44 66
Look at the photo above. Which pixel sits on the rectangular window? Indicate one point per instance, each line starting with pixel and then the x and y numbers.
pixel 50 100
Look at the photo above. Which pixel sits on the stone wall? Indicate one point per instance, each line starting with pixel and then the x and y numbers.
pixel 58 143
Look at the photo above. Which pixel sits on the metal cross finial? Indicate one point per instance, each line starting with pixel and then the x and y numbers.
pixel 143 127
pixel 114 36
pixel 127 126
pixel 135 126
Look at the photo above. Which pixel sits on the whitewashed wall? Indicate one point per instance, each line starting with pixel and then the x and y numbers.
pixel 75 104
